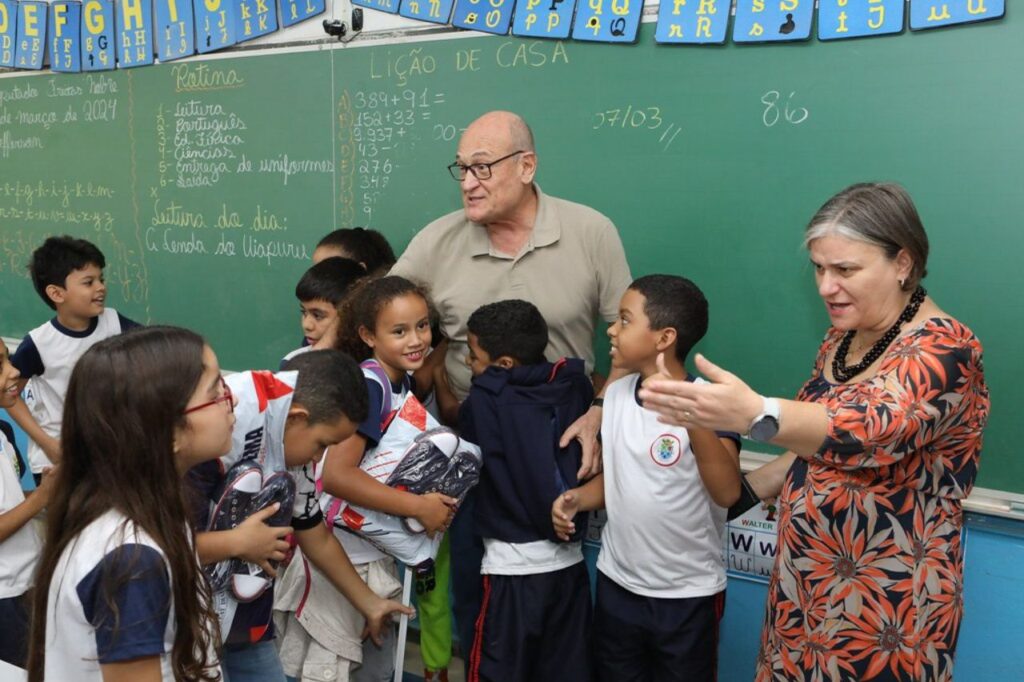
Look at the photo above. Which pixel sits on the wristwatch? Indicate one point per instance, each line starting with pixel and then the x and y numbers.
pixel 766 425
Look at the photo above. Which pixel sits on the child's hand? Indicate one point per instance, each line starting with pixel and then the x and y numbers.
pixel 45 488
pixel 329 339
pixel 563 510
pixel 259 543
pixel 662 374
pixel 436 512
pixel 379 616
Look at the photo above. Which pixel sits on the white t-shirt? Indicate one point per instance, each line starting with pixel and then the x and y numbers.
pixel 46 357
pixel 663 535
pixel 528 558
pixel 19 552
pixel 78 621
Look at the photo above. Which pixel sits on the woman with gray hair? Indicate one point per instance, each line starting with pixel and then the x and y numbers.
pixel 883 445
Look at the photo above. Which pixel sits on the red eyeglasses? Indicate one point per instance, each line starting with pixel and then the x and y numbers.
pixel 225 397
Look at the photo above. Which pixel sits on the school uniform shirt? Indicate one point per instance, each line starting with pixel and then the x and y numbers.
pixel 19 552
pixel 46 357
pixel 80 634
pixel 263 401
pixel 305 348
pixel 663 537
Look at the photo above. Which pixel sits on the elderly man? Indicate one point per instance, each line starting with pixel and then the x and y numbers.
pixel 513 241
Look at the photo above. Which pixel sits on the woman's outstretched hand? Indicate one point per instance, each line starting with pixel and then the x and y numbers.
pixel 726 403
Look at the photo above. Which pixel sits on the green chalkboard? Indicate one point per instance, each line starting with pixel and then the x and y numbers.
pixel 208 182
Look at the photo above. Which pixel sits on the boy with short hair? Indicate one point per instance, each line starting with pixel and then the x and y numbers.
pixel 67 273
pixel 661 580
pixel 320 291
pixel 285 421
pixel 534 621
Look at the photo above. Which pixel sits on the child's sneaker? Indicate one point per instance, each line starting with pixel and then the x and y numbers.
pixel 435 675
pixel 249 581
pixel 463 473
pixel 241 485
pixel 424 464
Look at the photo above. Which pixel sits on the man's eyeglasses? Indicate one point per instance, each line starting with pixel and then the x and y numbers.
pixel 481 171
pixel 225 397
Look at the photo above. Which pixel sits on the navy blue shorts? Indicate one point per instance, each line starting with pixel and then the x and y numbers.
pixel 534 628
pixel 644 639
pixel 14 617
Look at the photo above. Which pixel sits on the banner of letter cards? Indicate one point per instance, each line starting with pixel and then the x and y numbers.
pixel 93 35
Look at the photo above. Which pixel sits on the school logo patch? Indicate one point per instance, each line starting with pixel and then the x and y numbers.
pixel 666 450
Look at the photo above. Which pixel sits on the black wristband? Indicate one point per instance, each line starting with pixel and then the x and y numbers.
pixel 597 402
pixel 748 500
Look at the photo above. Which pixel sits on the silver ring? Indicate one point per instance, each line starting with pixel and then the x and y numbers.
pixel 687 414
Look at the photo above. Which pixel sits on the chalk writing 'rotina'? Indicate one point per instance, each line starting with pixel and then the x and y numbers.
pixel 196 78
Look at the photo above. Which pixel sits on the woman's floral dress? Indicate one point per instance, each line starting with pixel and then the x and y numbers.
pixel 868 583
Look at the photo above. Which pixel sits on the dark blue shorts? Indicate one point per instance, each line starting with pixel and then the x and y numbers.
pixel 14 617
pixel 534 628
pixel 644 639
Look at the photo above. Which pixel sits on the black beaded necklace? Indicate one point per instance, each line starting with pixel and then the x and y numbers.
pixel 842 373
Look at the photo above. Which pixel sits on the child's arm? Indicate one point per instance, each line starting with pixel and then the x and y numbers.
pixel 588 497
pixel 252 540
pixel 447 403
pixel 424 376
pixel 343 478
pixel 718 461
pixel 321 547
pixel 12 520
pixel 23 417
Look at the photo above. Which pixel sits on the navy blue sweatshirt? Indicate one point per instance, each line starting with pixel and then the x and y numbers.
pixel 517 417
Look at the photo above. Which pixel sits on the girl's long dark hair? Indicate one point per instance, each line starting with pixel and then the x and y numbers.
pixel 126 397
pixel 363 304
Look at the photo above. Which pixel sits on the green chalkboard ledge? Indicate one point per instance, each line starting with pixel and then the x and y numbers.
pixel 986 501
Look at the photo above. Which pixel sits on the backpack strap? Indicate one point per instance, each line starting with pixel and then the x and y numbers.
pixel 374 372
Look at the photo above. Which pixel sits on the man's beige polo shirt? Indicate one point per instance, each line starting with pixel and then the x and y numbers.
pixel 573 269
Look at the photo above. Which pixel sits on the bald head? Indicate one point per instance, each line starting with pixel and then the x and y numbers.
pixel 502 144
pixel 504 126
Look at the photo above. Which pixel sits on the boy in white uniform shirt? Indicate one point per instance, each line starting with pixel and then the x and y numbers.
pixel 661 580
pixel 67 273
